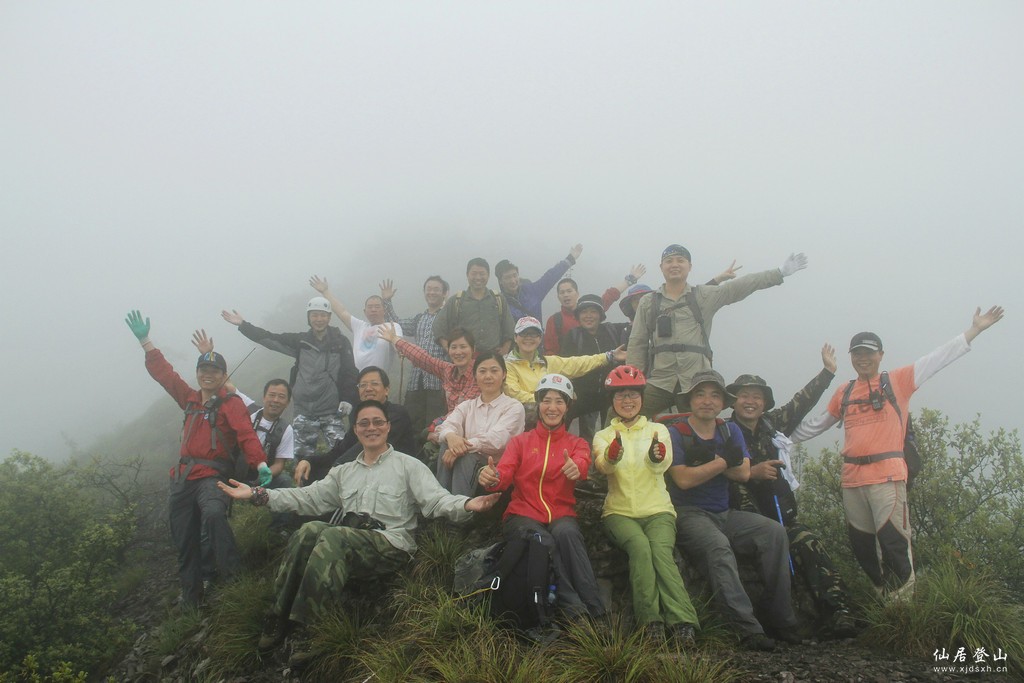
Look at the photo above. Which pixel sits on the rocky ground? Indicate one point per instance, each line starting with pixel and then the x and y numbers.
pixel 847 661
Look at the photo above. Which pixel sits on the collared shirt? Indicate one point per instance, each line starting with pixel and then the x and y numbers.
pixel 392 490
pixel 487 427
pixel 421 328
pixel 457 387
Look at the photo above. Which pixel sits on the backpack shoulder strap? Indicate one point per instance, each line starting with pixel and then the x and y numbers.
pixel 500 298
pixel 691 301
pixel 846 399
pixel 723 429
pixel 890 394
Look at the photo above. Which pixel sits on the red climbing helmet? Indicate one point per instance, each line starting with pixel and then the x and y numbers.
pixel 625 377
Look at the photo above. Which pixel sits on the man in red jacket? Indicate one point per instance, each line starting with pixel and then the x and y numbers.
pixel 215 423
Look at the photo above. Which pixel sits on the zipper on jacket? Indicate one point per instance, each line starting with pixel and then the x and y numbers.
pixel 543 471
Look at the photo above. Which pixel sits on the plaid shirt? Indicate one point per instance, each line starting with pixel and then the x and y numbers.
pixel 457 388
pixel 421 328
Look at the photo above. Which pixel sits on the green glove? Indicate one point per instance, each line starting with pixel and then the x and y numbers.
pixel 265 474
pixel 138 326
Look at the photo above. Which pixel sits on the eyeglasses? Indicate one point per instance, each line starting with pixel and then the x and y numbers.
pixel 367 385
pixel 627 395
pixel 375 422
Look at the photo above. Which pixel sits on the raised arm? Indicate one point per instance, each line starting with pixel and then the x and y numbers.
pixel 726 275
pixel 320 284
pixel 786 418
pixel 983 321
pixel 203 343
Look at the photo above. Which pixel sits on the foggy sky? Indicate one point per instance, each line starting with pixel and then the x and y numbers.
pixel 186 157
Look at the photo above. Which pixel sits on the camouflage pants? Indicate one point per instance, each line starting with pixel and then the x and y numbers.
pixel 309 428
pixel 814 566
pixel 319 562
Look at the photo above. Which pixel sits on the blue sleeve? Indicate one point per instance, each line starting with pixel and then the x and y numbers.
pixel 545 282
pixel 678 457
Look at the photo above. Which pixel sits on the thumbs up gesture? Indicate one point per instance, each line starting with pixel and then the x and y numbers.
pixel 615 449
pixel 570 469
pixel 657 450
pixel 489 476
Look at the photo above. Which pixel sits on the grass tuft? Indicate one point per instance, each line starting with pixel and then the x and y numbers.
pixel 954 605
pixel 175 630
pixel 237 619
pixel 439 548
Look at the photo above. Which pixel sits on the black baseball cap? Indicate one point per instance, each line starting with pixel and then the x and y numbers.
pixel 212 358
pixel 866 340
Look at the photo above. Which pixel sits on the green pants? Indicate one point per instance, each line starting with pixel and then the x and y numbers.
pixel 320 560
pixel 658 590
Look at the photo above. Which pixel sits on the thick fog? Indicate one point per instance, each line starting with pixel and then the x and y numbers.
pixel 181 158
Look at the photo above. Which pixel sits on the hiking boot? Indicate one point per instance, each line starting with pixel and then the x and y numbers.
pixel 757 641
pixel 682 636
pixel 301 659
pixel 275 628
pixel 654 630
pixel 841 624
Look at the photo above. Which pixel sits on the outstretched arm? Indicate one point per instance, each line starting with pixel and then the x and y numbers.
pixel 320 284
pixel 983 321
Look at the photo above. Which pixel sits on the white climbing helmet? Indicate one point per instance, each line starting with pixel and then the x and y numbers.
pixel 558 383
pixel 318 303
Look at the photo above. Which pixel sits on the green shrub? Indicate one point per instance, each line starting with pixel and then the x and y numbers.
pixel 968 500
pixel 58 561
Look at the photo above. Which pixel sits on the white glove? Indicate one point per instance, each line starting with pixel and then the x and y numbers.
pixel 344 408
pixel 794 263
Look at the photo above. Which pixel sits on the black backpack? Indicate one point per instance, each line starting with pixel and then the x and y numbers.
pixel 515 575
pixel 697 454
pixel 911 454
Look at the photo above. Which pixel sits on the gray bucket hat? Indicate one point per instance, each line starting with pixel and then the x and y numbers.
pixel 753 381
pixel 713 377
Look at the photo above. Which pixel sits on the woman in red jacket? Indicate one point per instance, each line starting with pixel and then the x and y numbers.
pixel 544 464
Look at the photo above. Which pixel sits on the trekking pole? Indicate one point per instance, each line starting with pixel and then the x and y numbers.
pixel 240 363
pixel 778 511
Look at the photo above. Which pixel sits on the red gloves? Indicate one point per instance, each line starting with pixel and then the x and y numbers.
pixel 615 449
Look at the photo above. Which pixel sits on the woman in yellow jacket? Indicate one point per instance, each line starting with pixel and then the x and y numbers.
pixel 526 366
pixel 635 453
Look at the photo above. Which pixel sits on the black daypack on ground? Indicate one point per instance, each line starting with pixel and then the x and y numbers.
pixel 515 575
pixel 911 454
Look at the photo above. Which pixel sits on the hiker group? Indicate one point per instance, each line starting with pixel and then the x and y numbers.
pixel 504 410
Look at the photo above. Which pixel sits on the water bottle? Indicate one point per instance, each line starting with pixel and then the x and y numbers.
pixel 552 590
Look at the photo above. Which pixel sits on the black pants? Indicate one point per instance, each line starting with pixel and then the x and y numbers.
pixel 195 506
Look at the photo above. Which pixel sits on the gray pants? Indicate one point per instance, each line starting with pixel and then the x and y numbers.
pixel 576 588
pixel 197 506
pixel 657 401
pixel 461 477
pixel 713 539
